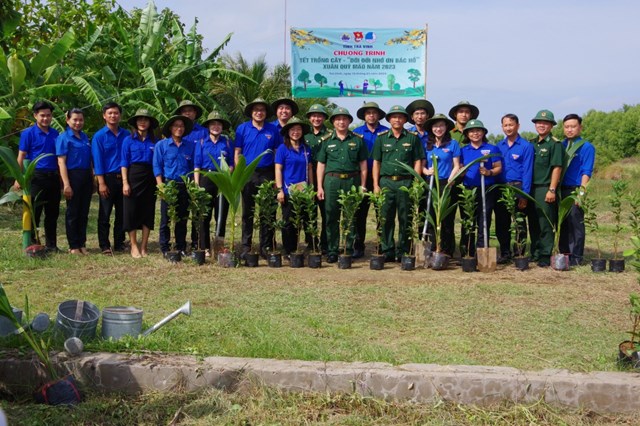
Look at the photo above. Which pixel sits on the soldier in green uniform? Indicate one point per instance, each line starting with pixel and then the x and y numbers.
pixel 547 169
pixel 317 115
pixel 342 163
pixel 393 146
pixel 461 114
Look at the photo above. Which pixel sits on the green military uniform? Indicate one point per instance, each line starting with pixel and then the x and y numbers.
pixel 314 140
pixel 549 154
pixel 388 150
pixel 342 171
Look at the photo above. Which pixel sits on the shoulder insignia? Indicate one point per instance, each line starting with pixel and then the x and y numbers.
pixel 327 136
pixel 553 138
pixel 383 133
pixel 358 135
pixel 413 133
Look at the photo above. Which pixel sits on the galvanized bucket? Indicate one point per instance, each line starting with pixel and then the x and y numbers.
pixel 118 321
pixel 6 326
pixel 77 318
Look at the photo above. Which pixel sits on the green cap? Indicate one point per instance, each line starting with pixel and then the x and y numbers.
pixel 439 117
pixel 397 109
pixel 474 124
pixel 420 104
pixel 317 108
pixel 188 125
pixel 475 112
pixel 368 105
pixel 216 116
pixel 186 103
pixel 142 112
pixel 285 101
pixel 292 122
pixel 257 101
pixel 340 111
pixel 544 115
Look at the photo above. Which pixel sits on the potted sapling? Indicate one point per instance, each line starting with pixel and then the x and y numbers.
pixel 199 206
pixel 267 204
pixel 467 202
pixel 589 205
pixel 168 192
pixel 560 261
pixel 415 191
pixel 517 228
pixel 349 202
pixel 263 202
pixel 377 201
pixel 628 349
pixel 298 199
pixel 616 264
pixel 311 210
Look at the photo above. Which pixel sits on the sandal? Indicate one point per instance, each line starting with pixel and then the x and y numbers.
pixel 107 252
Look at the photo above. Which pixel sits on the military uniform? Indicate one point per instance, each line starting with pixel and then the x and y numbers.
pixel 388 151
pixel 314 140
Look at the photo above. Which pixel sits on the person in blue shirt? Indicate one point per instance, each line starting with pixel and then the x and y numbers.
pixel 45 184
pixel 173 158
pixel 371 113
pixel 476 146
pixel 216 147
pixel 138 182
pixel 106 148
pixel 284 109
pixel 446 151
pixel 254 137
pixel 576 178
pixel 74 161
pixel 419 112
pixel 293 169
pixel 517 171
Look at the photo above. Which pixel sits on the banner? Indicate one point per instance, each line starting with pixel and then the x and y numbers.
pixel 334 62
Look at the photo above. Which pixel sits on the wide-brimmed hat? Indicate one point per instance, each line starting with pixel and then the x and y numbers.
pixel 368 105
pixel 216 116
pixel 188 125
pixel 257 101
pixel 397 109
pixel 292 122
pixel 340 111
pixel 142 112
pixel 188 103
pixel 475 112
pixel 319 109
pixel 286 101
pixel 544 115
pixel 420 104
pixel 439 117
pixel 474 124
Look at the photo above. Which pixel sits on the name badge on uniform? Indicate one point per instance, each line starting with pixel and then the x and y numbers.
pixel 352 144
pixel 543 150
pixel 388 145
pixel 331 146
pixel 406 145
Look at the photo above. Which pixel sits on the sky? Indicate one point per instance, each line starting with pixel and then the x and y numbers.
pixel 503 56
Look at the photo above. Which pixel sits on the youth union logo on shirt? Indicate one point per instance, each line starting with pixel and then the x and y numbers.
pixel 485 152
pixel 268 135
pixel 515 156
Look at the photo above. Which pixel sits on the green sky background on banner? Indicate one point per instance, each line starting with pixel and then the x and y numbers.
pixel 356 62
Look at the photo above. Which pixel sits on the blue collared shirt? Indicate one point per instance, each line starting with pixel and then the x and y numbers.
pixel 581 164
pixel 172 161
pixel 445 155
pixel 198 134
pixel 468 154
pixel 222 148
pixel 34 142
pixel 106 149
pixel 254 142
pixel 135 150
pixel 517 162
pixel 369 139
pixel 294 164
pixel 76 149
pixel 276 123
pixel 424 137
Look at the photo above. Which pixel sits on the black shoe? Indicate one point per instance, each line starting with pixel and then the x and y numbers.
pixel 357 254
pixel 503 260
pixel 243 254
pixel 389 257
pixel 52 250
pixel 332 258
pixel 264 254
pixel 543 264
pixel 399 259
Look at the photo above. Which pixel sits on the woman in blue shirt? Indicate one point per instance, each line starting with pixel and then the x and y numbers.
pixel 215 147
pixel 293 169
pixel 446 152
pixel 138 182
pixel 74 161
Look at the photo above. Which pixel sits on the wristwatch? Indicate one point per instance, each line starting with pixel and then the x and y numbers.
pixel 552 190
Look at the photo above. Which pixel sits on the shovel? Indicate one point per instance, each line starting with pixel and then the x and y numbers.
pixel 487 256
pixel 426 244
pixel 218 241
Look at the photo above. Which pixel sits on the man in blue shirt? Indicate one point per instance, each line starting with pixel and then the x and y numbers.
pixel 284 109
pixel 576 178
pixel 253 137
pixel 517 171
pixel 419 112
pixel 371 113
pixel 106 148
pixel 45 184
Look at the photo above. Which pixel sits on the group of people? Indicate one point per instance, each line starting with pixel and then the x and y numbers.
pixel 129 165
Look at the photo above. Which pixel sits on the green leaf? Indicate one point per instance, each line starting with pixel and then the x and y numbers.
pixel 48 56
pixel 17 72
pixel 88 91
pixel 149 78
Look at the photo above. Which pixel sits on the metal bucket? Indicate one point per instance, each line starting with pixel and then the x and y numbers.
pixel 77 318
pixel 6 326
pixel 118 321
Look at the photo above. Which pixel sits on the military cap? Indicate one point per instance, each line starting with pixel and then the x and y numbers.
pixel 368 105
pixel 257 101
pixel 420 104
pixel 188 125
pixel 317 108
pixel 286 101
pixel 475 112
pixel 439 117
pixel 340 111
pixel 216 116
pixel 397 109
pixel 142 112
pixel 474 124
pixel 292 122
pixel 544 115
pixel 188 103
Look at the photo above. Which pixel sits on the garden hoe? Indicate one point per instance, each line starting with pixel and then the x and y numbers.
pixel 487 256
pixel 426 243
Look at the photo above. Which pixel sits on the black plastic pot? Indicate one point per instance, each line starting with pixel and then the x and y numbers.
pixel 376 262
pixel 598 265
pixel 274 260
pixel 560 262
pixel 521 263
pixel 64 391
pixel 174 256
pixel 469 264
pixel 315 260
pixel 344 261
pixel 296 260
pixel 226 260
pixel 408 263
pixel 251 259
pixel 198 257
pixel 627 356
pixel 616 265
pixel 439 261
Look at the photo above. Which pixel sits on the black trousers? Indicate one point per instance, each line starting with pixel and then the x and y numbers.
pixel 217 202
pixel 260 176
pixel 290 235
pixel 45 195
pixel 180 227
pixel 503 225
pixel 77 215
pixel 114 200
pixel 572 231
pixel 468 237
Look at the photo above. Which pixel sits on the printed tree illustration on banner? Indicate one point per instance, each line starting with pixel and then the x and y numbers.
pixel 414 76
pixel 391 81
pixel 301 38
pixel 413 38
pixel 303 77
pixel 376 83
pixel 320 79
